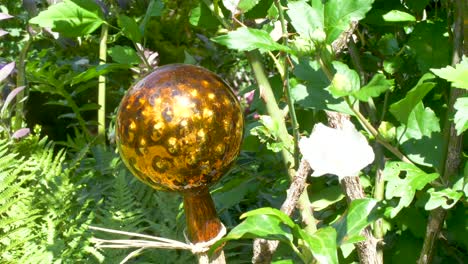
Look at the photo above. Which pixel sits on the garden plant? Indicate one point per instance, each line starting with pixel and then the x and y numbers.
pixel 352 146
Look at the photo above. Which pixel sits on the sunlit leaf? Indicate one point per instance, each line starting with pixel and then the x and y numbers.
pixel 306 20
pixel 461 115
pixel 95 71
pixel 246 5
pixel 313 94
pixel 445 198
pixel 345 81
pixel 71 18
pixel 201 16
pixel 374 88
pixel 457 76
pixel 398 16
pixel 326 197
pixel 421 139
pixel 403 180
pixel 322 244
pixel 339 14
pixel 247 39
pixel 261 226
pixel 361 213
pixel 130 28
pixel 124 55
pixel 402 109
pixel 329 17
pixel 421 122
pixel 271 212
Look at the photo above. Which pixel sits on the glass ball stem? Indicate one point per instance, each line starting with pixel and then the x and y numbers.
pixel 203 223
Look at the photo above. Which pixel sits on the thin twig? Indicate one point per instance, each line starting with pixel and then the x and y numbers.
pixel 264 249
pixel 352 187
pixel 453 142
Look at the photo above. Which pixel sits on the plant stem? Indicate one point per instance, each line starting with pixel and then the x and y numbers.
pixel 453 143
pixel 377 135
pixel 102 84
pixel 21 81
pixel 263 254
pixel 379 162
pixel 326 69
pixel 286 87
pixel 266 93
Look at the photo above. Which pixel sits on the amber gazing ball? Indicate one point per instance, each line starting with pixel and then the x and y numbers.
pixel 179 128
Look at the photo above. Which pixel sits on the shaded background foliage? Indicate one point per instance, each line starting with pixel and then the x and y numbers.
pixel 58 180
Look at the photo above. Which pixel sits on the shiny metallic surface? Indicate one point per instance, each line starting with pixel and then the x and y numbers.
pixel 179 128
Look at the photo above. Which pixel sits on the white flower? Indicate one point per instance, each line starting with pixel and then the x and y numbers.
pixel 343 152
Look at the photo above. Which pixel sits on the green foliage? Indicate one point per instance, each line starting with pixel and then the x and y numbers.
pixel 398 16
pixel 71 18
pixel 376 86
pixel 272 224
pixel 52 189
pixel 246 39
pixel 461 116
pixel 456 75
pixel 403 180
pixel 402 109
pixel 421 138
pixel 345 81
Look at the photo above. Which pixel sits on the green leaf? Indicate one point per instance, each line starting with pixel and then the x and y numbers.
pixel 201 16
pixel 374 88
pixel 426 42
pixel 130 28
pixel 446 198
pixel 403 180
pixel 71 18
pixel 340 13
pixel 89 107
pixel 360 214
pixel 322 244
pixel 457 76
pixel 124 55
pixel 421 139
pixel 240 6
pixel 461 115
pixel 402 109
pixel 247 39
pixel 155 9
pixel 95 71
pixel 331 18
pixel 345 81
pixel 246 5
pixel 421 122
pixel 326 197
pixel 307 21
pixel 388 45
pixel 261 226
pixel 285 219
pixel 313 94
pixel 398 16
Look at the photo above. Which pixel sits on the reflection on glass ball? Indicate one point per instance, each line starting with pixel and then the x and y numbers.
pixel 179 128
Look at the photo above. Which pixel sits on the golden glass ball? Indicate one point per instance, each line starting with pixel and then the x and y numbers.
pixel 179 128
